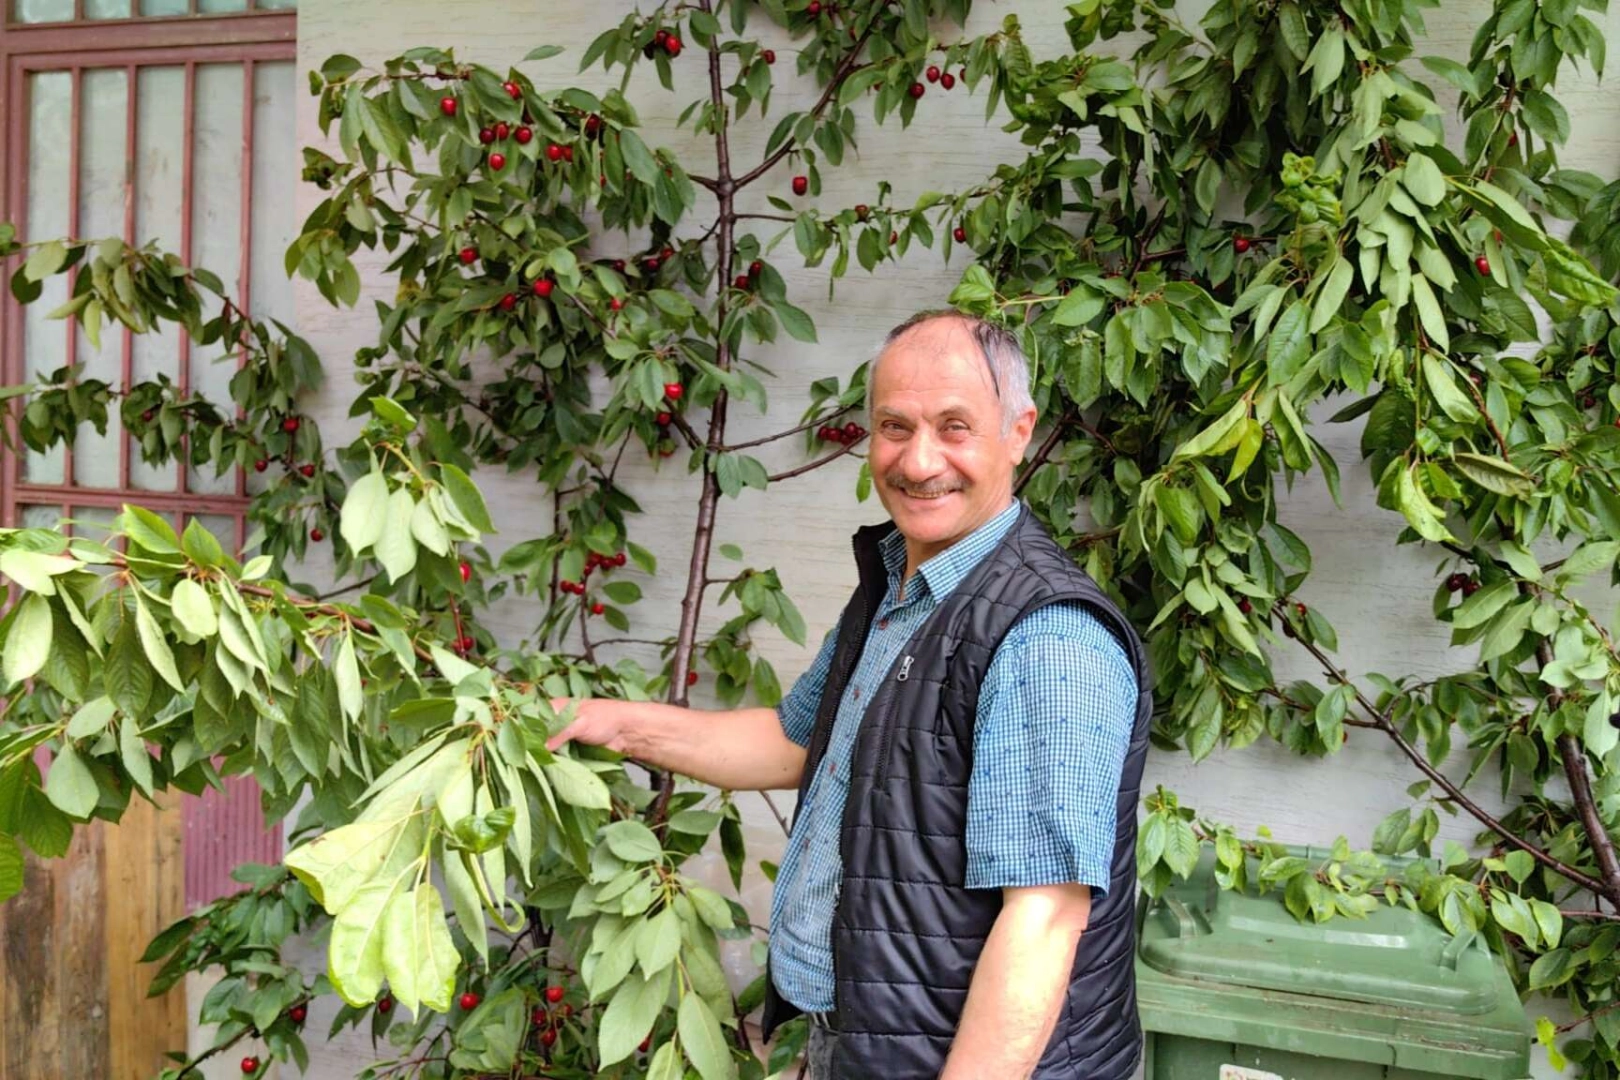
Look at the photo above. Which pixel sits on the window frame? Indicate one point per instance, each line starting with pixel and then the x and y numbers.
pixel 245 38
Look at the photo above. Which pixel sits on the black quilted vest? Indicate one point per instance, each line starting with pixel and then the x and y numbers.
pixel 906 934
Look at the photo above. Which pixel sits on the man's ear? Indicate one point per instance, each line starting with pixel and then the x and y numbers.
pixel 1023 430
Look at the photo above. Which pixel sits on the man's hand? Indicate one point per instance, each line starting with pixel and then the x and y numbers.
pixel 597 722
pixel 742 750
pixel 1019 983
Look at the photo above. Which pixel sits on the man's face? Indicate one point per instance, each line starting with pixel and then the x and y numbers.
pixel 939 461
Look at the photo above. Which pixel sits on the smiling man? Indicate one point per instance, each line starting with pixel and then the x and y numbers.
pixel 956 899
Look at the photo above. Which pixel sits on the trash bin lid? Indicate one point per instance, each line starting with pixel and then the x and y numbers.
pixel 1394 956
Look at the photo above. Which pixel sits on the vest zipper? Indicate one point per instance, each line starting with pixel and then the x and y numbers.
pixel 887 741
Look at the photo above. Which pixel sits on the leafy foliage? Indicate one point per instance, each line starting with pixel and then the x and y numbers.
pixel 1208 243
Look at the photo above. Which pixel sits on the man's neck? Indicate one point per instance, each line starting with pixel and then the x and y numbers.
pixel 917 553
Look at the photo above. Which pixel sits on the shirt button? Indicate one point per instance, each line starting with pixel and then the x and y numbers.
pixel 857 693
pixel 883 624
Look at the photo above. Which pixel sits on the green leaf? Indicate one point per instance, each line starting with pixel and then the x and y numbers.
pixel 127 675
pixel 1483 605
pixel 1423 179
pixel 69 785
pixel 364 512
pixel 576 785
pixel 465 494
pixel 1494 474
pixel 418 955
pixel 631 840
pixel 46 260
pixel 1506 631
pixel 795 321
pixel 1452 401
pixel 1332 295
pixel 194 608
pixel 630 1015
pixel 1429 313
pixel 33 570
pixel 148 530
pixel 347 671
pixel 396 547
pixel 666 1064
pixel 354 952
pixel 622 592
pixel 1552 969
pixel 658 939
pixel 92 718
pixel 132 752
pixel 1078 308
pixel 11 868
pixel 705 1044
pixel 158 653
pixel 200 545
pixel 1180 848
pixel 28 642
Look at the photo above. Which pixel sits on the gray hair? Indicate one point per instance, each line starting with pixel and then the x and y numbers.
pixel 1003 356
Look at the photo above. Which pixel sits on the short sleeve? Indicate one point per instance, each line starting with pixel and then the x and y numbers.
pixel 1054 722
pixel 797 711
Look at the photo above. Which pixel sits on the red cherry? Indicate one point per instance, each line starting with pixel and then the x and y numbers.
pixel 513 90
pixel 568 155
pixel 615 304
pixel 502 130
pixel 316 535
pixel 261 465
pixel 666 449
pixel 932 74
pixel 691 678
pixel 619 559
pixel 548 1037
pixel 660 36
pixel 1513 140
pixel 525 135
pixel 466 572
pixel 801 184
pixel 651 265
pixel 553 152
pixel 508 302
pixel 852 431
pixel 593 124
pixel 566 1011
pixel 447 106
pixel 962 74
pixel 1301 609
pixel 468 255
pixel 537 1016
pixel 673 391
pixel 741 281
pixel 385 1004
pixel 543 287
pixel 497 162
pixel 755 267
pixel 947 80
pixel 894 238
pixel 668 252
pixel 647 1042
pixel 1240 244
pixel 597 608
pixel 916 90
pixel 618 264
pixel 290 424
pixel 469 1001
pixel 146 416
pixel 813 8
pixel 672 45
pixel 297 1014
pixel 1482 264
pixel 959 234
pixel 769 56
pixel 467 643
pixel 486 135
pixel 1244 605
pixel 307 470
pixel 250 1065
pixel 663 419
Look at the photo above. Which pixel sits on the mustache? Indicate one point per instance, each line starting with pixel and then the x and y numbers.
pixel 929 490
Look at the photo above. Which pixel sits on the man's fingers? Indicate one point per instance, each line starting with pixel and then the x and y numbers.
pixel 555 742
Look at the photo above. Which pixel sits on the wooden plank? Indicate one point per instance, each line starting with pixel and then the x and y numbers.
pixel 52 967
pixel 145 877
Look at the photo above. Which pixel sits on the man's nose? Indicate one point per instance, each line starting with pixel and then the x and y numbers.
pixel 923 458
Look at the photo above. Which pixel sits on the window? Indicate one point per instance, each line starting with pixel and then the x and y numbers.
pixel 155 120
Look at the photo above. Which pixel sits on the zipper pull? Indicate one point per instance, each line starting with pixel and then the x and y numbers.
pixel 905 670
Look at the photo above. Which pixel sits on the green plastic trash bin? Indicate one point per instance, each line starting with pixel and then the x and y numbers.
pixel 1231 987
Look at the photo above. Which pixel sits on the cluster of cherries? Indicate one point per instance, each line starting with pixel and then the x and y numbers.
pixel 665 42
pixel 592 562
pixel 849 433
pixel 547 1020
pixel 1464 583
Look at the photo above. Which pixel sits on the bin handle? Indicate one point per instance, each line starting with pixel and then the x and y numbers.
pixel 1453 950
pixel 1186 922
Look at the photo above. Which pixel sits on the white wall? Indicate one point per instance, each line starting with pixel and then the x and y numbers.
pixel 1377 596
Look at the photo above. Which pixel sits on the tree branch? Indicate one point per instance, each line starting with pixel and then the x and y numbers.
pixel 1045 450
pixel 1478 812
pixel 846 68
pixel 816 464
pixel 806 426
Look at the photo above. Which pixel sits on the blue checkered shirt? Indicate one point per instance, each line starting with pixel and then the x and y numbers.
pixel 1054 720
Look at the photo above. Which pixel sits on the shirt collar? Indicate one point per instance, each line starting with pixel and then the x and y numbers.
pixel 945 571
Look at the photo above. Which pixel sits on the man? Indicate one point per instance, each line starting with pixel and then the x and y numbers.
pixel 957 896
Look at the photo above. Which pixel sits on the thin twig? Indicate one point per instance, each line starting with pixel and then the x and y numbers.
pixel 1045 450
pixel 816 464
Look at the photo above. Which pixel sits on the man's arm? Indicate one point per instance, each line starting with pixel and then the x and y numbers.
pixel 1020 982
pixel 741 750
